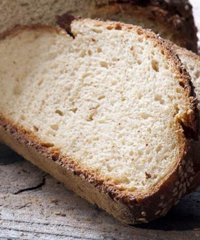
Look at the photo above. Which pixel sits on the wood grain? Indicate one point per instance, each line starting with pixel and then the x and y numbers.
pixel 35 206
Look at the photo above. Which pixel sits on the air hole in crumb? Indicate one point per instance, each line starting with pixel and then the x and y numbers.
pixel 74 110
pixel 104 64
pixel 17 90
pixel 139 62
pixel 197 74
pixel 140 39
pixel 23 117
pixel 139 95
pixel 40 82
pixel 162 52
pixel 109 169
pixel 90 118
pixel 123 99
pixel 109 27
pixel 99 50
pixel 47 145
pixel 83 53
pixel 159 98
pixel 166 66
pixel 97 30
pixel 178 90
pixel 158 148
pixel 89 52
pixel 131 153
pixel 114 82
pixel 72 74
pixel 139 31
pixel 192 68
pixel 115 59
pixel 145 115
pixel 35 128
pixel 101 97
pixel 149 130
pixel 85 75
pixel 118 26
pixel 54 127
pixel 59 112
pixel 155 65
pixel 54 66
pixel 148 151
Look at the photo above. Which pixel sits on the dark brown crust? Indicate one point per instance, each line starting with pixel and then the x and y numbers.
pixel 175 15
pixel 65 22
pixel 196 145
pixel 138 210
pixel 135 208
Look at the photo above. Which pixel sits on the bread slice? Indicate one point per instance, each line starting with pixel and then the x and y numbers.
pixel 172 19
pixel 109 112
pixel 191 62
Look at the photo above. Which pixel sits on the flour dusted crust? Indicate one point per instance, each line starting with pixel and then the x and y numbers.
pixel 131 209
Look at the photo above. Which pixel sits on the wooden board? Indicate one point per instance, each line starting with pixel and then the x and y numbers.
pixel 33 205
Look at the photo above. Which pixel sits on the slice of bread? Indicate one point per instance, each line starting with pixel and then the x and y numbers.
pixel 191 62
pixel 109 112
pixel 172 19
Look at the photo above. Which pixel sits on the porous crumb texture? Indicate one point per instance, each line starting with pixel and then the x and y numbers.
pixel 171 19
pixel 192 63
pixel 110 99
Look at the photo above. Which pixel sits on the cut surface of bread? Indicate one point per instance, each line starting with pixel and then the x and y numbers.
pixel 172 19
pixel 108 112
pixel 191 62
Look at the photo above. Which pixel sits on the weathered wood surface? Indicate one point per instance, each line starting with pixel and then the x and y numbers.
pixel 33 205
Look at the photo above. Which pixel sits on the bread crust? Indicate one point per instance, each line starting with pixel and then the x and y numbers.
pixel 195 145
pixel 172 15
pixel 129 208
pixel 176 16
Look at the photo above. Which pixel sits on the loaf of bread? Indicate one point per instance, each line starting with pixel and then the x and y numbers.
pixel 172 19
pixel 109 111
